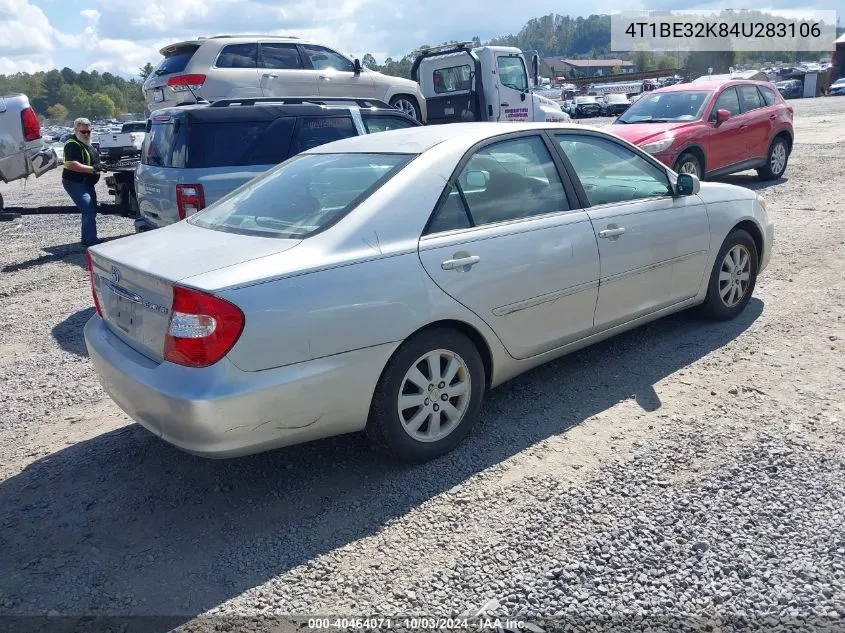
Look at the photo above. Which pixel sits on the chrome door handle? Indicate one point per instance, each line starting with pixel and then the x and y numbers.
pixel 464 263
pixel 272 76
pixel 324 78
pixel 611 232
pixel 506 105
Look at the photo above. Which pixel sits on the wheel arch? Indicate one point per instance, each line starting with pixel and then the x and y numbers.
pixel 754 231
pixel 696 150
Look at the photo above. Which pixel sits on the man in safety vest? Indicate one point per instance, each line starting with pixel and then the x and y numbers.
pixel 80 175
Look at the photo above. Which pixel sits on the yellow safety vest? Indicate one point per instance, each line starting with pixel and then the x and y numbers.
pixel 86 156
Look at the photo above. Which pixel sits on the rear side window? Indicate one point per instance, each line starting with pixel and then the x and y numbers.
pixel 238 56
pixel 315 131
pixel 750 98
pixel 281 56
pixel 239 143
pixel 176 62
pixel 164 145
pixel 768 95
pixel 452 79
pixel 385 123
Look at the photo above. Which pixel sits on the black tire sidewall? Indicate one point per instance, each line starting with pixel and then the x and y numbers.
pixel 686 157
pixel 713 302
pixel 384 425
pixel 767 172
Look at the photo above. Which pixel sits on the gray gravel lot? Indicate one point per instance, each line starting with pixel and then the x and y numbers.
pixel 681 476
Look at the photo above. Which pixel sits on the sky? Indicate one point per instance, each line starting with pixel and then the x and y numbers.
pixel 118 36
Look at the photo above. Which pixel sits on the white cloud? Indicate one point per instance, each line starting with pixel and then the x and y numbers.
pixel 24 29
pixel 10 66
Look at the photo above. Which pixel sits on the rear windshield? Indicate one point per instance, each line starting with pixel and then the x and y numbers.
pixel 302 196
pixel 177 61
pixel 134 127
pixel 164 145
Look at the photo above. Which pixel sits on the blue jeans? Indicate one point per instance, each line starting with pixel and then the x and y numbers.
pixel 84 196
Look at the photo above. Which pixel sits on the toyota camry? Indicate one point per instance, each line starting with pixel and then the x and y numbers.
pixel 385 283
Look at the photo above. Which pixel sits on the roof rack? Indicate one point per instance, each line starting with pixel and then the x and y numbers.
pixel 362 103
pixel 269 37
pixel 454 47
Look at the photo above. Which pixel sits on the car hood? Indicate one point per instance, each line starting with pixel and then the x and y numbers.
pixel 182 250
pixel 640 133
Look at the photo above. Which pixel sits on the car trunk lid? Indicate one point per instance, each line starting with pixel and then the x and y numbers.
pixel 134 276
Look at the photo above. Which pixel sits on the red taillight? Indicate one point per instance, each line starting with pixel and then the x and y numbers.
pixel 31 126
pixel 182 82
pixel 202 328
pixel 189 200
pixel 93 286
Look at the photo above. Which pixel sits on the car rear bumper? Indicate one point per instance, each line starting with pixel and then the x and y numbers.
pixel 222 411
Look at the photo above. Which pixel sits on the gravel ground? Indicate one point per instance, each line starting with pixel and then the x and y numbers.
pixel 685 476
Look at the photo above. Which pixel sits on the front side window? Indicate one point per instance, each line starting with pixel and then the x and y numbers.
pixel 280 56
pixel 610 172
pixel 385 123
pixel 302 196
pixel 323 58
pixel 508 180
pixel 452 79
pixel 512 72
pixel 729 101
pixel 238 56
pixel 315 131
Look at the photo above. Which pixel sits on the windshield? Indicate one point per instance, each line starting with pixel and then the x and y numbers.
pixel 667 106
pixel 615 98
pixel 302 196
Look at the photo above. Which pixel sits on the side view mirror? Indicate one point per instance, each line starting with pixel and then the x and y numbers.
pixel 687 185
pixel 477 179
pixel 722 115
pixel 357 65
pixel 522 96
pixel 535 69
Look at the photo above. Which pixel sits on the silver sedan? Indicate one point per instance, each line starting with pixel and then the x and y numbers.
pixel 384 283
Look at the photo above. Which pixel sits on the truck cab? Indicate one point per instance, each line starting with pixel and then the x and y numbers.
pixel 487 83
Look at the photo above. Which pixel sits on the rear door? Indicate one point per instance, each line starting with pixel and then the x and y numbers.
pixel 284 72
pixel 509 241
pixel 336 75
pixel 512 87
pixel 758 127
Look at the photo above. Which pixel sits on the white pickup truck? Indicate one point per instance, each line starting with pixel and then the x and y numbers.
pixel 488 83
pixel 125 143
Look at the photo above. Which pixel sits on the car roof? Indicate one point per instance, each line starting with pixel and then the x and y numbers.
pixel 416 140
pixel 714 84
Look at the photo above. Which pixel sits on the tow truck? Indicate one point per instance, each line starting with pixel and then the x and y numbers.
pixel 487 83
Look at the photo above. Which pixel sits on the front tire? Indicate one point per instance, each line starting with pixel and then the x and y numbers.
pixel 688 163
pixel 408 105
pixel 428 397
pixel 733 277
pixel 776 161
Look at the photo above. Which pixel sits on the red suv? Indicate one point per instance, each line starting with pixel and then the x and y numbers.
pixel 713 128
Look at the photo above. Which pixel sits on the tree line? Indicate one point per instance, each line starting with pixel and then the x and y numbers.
pixel 62 95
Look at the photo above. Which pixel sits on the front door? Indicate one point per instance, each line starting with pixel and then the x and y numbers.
pixel 727 143
pixel 510 243
pixel 653 246
pixel 336 76
pixel 512 88
pixel 283 72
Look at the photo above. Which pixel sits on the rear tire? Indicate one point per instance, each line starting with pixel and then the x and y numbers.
pixel 428 397
pixel 733 277
pixel 408 105
pixel 776 161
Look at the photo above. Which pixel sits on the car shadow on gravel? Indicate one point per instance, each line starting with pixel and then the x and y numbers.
pixel 127 524
pixel 73 253
pixel 68 333
pixel 751 181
